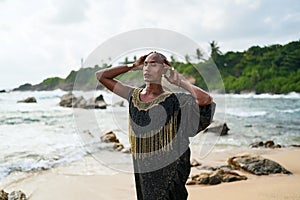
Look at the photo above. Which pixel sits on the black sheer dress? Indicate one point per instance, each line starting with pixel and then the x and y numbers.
pixel 159 133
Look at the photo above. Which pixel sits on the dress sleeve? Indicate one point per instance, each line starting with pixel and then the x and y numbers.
pixel 130 94
pixel 194 118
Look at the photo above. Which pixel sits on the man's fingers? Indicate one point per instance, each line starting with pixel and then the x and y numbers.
pixel 168 79
pixel 175 75
pixel 171 72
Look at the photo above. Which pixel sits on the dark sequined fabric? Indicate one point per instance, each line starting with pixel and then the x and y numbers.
pixel 162 166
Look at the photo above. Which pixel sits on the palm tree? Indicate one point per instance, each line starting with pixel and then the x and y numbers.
pixel 215 50
pixel 173 59
pixel 199 54
pixel 187 58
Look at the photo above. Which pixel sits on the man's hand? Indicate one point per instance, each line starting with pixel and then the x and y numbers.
pixel 139 64
pixel 173 77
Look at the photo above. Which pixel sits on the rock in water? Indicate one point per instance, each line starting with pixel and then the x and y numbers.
pixel 109 137
pixel 28 100
pixel 256 165
pixel 118 146
pixel 220 128
pixel 70 100
pixel 67 99
pixel 100 103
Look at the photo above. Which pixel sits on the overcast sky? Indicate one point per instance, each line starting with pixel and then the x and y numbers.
pixel 41 39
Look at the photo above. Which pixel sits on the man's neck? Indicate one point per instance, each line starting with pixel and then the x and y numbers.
pixel 153 88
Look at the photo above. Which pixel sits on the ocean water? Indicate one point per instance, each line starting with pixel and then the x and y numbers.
pixel 43 135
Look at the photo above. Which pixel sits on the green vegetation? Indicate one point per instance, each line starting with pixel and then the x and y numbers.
pixel 52 82
pixel 273 69
pixel 270 69
pixel 83 79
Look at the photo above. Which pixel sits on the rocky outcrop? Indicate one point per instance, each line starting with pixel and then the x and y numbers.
pixel 28 100
pixel 249 163
pixel 70 100
pixel 215 177
pixel 84 79
pixel 295 145
pixel 266 144
pixel 256 164
pixel 218 127
pixel 14 195
pixel 195 163
pixel 110 137
pixel 79 102
pixel 99 102
pixel 118 146
pixel 24 87
pixel 3 195
pixel 67 99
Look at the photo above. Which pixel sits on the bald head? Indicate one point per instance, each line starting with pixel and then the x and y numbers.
pixel 156 57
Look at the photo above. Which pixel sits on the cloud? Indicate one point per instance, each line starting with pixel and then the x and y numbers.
pixel 48 38
pixel 69 11
pixel 206 21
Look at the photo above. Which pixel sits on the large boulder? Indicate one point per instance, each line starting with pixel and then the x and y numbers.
pixel 256 164
pixel 79 102
pixel 67 99
pixel 70 100
pixel 218 127
pixel 215 177
pixel 14 195
pixel 109 137
pixel 3 195
pixel 99 102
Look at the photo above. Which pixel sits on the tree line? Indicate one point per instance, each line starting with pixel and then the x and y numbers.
pixel 268 69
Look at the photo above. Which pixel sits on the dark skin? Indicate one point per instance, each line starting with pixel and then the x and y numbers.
pixel 154 67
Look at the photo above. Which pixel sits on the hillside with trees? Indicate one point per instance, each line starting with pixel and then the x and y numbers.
pixel 272 69
pixel 269 69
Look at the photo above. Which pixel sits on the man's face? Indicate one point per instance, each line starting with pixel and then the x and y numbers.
pixel 153 68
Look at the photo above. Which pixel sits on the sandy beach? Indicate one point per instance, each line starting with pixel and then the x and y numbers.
pixel 277 186
pixel 63 182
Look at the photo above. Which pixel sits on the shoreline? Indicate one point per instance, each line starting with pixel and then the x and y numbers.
pixel 69 182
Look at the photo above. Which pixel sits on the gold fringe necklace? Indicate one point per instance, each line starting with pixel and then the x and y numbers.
pixel 155 141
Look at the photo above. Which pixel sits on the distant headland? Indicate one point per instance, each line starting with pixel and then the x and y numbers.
pixel 269 69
